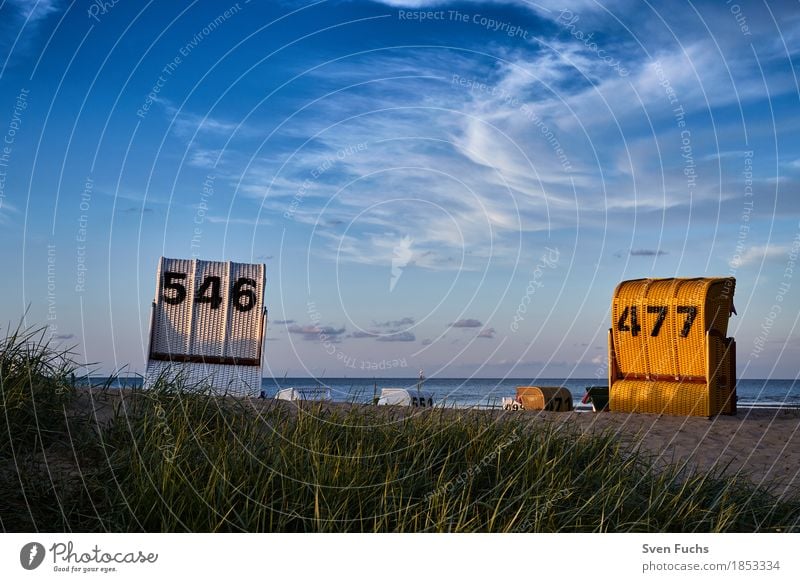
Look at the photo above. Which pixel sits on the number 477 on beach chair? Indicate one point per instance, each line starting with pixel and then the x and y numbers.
pixel 668 353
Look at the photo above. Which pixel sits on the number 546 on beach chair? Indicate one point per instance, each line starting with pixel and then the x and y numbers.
pixel 668 353
pixel 207 325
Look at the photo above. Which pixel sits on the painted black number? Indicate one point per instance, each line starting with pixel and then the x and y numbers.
pixel 662 314
pixel 691 313
pixel 242 298
pixel 249 295
pixel 215 299
pixel 170 282
pixel 634 327
pixel 662 310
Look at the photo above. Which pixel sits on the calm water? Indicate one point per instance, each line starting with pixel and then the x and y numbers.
pixel 483 391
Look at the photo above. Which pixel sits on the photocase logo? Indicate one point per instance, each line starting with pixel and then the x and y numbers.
pixel 31 555
pixel 401 256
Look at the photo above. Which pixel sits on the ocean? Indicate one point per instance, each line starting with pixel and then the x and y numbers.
pixel 482 392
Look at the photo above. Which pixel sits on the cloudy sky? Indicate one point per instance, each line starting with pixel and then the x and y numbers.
pixel 456 186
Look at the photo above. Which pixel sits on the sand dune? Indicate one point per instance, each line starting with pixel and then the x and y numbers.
pixel 762 445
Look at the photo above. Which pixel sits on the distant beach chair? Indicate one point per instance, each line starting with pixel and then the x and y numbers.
pixel 405 397
pixel 312 394
pixel 597 396
pixel 552 398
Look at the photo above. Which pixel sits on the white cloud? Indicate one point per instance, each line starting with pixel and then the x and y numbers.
pixel 204 157
pixel 230 220
pixel 756 254
pixel 412 3
pixel 20 23
pixel 465 171
pixel 34 10
pixel 542 7
pixel 5 210
pixel 187 123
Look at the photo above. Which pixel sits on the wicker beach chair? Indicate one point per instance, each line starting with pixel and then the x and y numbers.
pixel 552 398
pixel 598 396
pixel 207 326
pixel 668 353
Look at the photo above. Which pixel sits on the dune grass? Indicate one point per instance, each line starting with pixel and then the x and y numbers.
pixel 173 459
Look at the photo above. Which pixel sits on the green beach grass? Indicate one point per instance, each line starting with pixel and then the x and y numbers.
pixel 176 460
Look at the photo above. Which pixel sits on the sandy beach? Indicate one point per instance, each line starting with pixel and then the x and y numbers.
pixel 763 445
pixel 759 444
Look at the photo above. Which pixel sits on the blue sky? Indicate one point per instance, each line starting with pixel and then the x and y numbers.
pixel 456 186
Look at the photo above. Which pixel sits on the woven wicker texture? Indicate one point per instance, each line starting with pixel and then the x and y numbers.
pixel 722 371
pixel 687 309
pixel 553 398
pixel 244 327
pixel 667 347
pixel 685 398
pixel 689 399
pixel 208 324
pixel 222 380
pixel 172 322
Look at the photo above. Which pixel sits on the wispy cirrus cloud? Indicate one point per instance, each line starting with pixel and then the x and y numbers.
pixel 187 123
pixel 758 253
pixel 502 146
pixel 20 21
pixel 544 7
pixel 6 210
pixel 490 167
pixel 34 10
pixel 238 220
